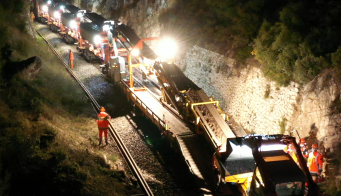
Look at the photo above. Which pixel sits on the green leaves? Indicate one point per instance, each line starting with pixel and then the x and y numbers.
pixel 298 46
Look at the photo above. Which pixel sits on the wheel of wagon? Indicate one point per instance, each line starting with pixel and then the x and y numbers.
pixel 53 28
pixel 70 40
pixel 87 56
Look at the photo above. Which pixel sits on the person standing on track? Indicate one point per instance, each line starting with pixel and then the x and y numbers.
pixel 103 125
pixel 71 58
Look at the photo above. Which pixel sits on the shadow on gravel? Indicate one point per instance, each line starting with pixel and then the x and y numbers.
pixel 56 40
pixel 171 160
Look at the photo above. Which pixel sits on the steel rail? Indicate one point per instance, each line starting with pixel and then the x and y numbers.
pixel 123 149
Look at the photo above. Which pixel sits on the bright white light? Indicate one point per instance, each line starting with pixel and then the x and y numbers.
pixel 135 52
pixel 97 39
pixel 177 98
pixel 106 27
pixel 62 7
pixel 272 147
pixel 79 15
pixel 56 14
pixel 167 48
pixel 49 2
pixel 73 24
pixel 45 8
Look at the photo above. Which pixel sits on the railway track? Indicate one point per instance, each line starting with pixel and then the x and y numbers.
pixel 165 174
pixel 123 149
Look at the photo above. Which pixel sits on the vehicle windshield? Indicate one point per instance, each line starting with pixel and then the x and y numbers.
pixel 289 188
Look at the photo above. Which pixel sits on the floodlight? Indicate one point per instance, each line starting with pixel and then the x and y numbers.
pixel 166 48
pixel 135 52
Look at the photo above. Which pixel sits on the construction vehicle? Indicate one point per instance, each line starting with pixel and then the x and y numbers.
pixel 194 106
pixel 260 166
pixel 69 27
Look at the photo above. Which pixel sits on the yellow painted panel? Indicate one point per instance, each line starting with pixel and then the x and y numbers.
pixel 276 158
pixel 239 178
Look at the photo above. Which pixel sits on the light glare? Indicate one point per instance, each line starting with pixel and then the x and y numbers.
pixel 272 147
pixel 73 24
pixel 45 8
pixel 97 39
pixel 56 14
pixel 135 52
pixel 106 27
pixel 79 15
pixel 167 48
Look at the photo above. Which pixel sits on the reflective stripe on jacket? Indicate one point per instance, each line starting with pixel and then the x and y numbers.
pixel 315 162
pixel 103 120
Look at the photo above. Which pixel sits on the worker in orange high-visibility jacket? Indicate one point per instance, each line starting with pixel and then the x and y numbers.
pixel 315 162
pixel 103 125
pixel 71 58
pixel 304 148
pixel 32 16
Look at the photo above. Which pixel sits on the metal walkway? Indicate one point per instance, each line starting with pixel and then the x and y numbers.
pixel 191 146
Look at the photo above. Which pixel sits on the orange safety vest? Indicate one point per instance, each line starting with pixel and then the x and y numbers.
pixel 71 56
pixel 103 120
pixel 315 162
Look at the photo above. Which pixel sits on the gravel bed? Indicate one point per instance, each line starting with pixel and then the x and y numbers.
pixel 164 171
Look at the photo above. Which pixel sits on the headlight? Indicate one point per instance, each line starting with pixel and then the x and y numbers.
pixel 62 7
pixel 45 8
pixel 106 27
pixel 177 98
pixel 56 14
pixel 49 2
pixel 79 15
pixel 97 39
pixel 73 24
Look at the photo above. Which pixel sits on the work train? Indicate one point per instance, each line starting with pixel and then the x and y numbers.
pixel 111 42
pixel 97 38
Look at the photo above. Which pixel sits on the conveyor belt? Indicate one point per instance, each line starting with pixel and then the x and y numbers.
pixel 216 127
pixel 215 114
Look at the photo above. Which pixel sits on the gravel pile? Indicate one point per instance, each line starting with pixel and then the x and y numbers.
pixel 164 174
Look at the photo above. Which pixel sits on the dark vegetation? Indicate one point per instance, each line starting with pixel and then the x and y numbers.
pixel 294 40
pixel 47 133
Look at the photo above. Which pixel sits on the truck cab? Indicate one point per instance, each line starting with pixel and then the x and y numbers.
pixel 259 165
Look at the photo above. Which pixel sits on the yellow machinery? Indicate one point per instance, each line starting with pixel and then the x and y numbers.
pixel 260 166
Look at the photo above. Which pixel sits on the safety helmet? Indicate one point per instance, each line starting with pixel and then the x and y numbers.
pixel 302 141
pixel 314 146
pixel 69 50
pixel 102 109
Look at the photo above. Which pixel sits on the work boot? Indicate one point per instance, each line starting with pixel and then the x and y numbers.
pixel 100 141
pixel 106 141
